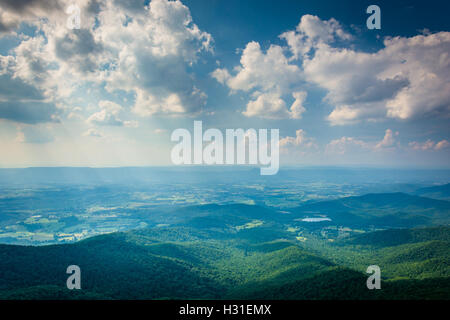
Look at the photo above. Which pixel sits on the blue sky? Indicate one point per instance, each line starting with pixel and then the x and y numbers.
pixel 111 93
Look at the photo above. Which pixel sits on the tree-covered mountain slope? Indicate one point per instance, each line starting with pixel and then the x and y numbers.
pixel 436 192
pixel 393 237
pixel 189 263
pixel 380 210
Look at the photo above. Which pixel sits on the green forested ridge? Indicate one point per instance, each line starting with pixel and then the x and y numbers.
pixel 394 237
pixel 244 251
pixel 136 265
pixel 382 210
pixel 436 192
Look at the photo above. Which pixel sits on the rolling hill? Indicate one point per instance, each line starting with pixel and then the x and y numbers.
pixel 382 210
pixel 441 192
pixel 187 263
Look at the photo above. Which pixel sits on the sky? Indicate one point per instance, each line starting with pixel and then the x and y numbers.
pixel 112 92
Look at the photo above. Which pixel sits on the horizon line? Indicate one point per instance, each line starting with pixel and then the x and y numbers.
pixel 197 166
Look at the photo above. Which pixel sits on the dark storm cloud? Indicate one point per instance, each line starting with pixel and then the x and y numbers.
pixel 24 6
pixel 28 112
pixel 80 48
pixel 78 42
pixel 15 89
pixel 17 11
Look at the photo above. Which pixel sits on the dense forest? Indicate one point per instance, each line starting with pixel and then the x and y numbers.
pixel 190 263
pixel 240 251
